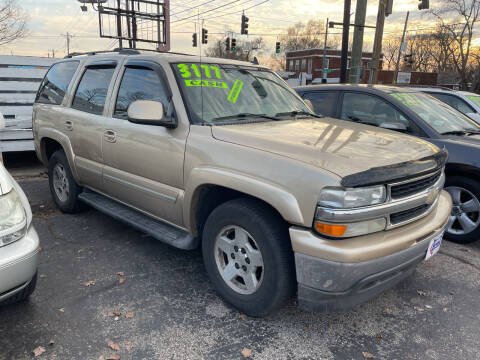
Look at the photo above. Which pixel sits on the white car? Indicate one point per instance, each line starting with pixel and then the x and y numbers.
pixel 19 244
pixel 466 102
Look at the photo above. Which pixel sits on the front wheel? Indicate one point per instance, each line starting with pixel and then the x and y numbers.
pixel 248 256
pixel 464 224
pixel 63 186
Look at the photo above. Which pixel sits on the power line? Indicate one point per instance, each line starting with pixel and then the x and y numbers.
pixel 193 7
pixel 204 12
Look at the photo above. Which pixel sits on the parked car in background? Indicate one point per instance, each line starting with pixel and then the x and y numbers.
pixel 467 103
pixel 224 155
pixel 421 115
pixel 19 244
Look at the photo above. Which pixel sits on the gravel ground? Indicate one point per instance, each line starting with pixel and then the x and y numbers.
pixel 156 302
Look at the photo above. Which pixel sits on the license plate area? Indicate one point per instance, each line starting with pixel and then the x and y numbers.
pixel 434 246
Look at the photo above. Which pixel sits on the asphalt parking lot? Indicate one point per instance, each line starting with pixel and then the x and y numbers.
pixel 105 289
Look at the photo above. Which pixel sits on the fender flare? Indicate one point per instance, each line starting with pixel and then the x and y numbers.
pixel 64 141
pixel 280 199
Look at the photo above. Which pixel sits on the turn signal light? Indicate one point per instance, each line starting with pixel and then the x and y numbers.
pixel 330 229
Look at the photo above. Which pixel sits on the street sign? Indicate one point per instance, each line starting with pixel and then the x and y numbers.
pixel 403 48
pixel 327 70
pixel 403 77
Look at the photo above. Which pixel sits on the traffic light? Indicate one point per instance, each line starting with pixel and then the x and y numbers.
pixel 227 44
pixel 234 44
pixel 389 7
pixel 204 36
pixel 277 47
pixel 408 58
pixel 194 40
pixel 424 4
pixel 244 30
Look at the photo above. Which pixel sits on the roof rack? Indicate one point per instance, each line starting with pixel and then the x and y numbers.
pixel 120 51
pixel 423 86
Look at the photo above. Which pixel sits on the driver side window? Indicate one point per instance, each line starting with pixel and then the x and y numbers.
pixel 139 84
pixel 371 110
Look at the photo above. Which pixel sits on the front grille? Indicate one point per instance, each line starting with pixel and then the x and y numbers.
pixel 401 216
pixel 413 187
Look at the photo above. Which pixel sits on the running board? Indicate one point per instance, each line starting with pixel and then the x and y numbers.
pixel 155 228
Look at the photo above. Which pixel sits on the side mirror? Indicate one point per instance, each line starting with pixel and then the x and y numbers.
pixel 309 103
pixel 394 126
pixel 149 112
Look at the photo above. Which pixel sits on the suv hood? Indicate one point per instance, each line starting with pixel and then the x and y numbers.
pixel 341 147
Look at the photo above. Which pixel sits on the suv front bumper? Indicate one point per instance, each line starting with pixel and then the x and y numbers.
pixel 335 275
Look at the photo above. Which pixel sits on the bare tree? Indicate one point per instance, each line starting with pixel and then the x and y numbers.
pixel 390 48
pixel 244 51
pixel 13 21
pixel 307 36
pixel 468 11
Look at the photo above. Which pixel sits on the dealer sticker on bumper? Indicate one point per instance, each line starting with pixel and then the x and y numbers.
pixel 434 246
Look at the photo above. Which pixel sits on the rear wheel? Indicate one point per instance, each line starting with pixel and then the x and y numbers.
pixel 248 256
pixel 63 186
pixel 464 224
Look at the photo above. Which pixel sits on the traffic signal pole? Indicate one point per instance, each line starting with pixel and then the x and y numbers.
pixel 357 45
pixel 324 59
pixel 346 29
pixel 377 44
pixel 400 49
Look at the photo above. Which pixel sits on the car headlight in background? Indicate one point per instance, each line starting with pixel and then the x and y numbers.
pixel 13 221
pixel 339 198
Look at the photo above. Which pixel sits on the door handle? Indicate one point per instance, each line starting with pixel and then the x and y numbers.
pixel 68 125
pixel 110 136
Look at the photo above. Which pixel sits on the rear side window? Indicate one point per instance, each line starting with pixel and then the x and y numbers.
pixel 139 84
pixel 454 102
pixel 92 90
pixel 324 102
pixel 55 84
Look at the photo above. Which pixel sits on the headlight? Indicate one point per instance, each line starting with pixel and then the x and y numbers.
pixel 13 221
pixel 339 198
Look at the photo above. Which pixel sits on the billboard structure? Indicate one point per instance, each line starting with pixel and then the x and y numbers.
pixel 135 21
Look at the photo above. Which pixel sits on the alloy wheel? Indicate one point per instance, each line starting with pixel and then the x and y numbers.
pixel 60 183
pixel 465 216
pixel 239 260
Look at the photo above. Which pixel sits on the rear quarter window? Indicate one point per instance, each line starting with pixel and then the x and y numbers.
pixel 324 102
pixel 55 84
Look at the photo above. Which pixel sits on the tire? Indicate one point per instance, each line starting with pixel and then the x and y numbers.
pixel 267 235
pixel 464 225
pixel 24 294
pixel 67 201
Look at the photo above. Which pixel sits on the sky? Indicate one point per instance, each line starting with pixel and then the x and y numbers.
pixel 50 20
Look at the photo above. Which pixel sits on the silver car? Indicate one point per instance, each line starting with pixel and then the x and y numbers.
pixel 19 244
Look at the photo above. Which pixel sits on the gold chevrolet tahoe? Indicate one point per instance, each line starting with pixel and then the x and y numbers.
pixel 224 155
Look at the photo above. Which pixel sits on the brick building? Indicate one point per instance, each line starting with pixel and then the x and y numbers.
pixel 310 61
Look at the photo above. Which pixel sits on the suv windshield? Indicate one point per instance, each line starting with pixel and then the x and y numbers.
pixel 441 117
pixel 220 93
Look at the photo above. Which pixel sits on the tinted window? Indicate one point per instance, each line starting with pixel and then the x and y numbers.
pixel 92 90
pixel 53 88
pixel 371 110
pixel 454 102
pixel 139 84
pixel 324 102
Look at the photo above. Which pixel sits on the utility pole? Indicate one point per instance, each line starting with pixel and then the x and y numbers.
pixel 400 49
pixel 377 44
pixel 357 46
pixel 346 29
pixel 68 36
pixel 324 59
pixel 53 53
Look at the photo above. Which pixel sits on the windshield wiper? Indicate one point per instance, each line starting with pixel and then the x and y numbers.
pixel 297 112
pixel 245 115
pixel 461 132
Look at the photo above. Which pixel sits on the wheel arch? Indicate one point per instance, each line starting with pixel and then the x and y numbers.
pixel 53 140
pixel 456 169
pixel 209 188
